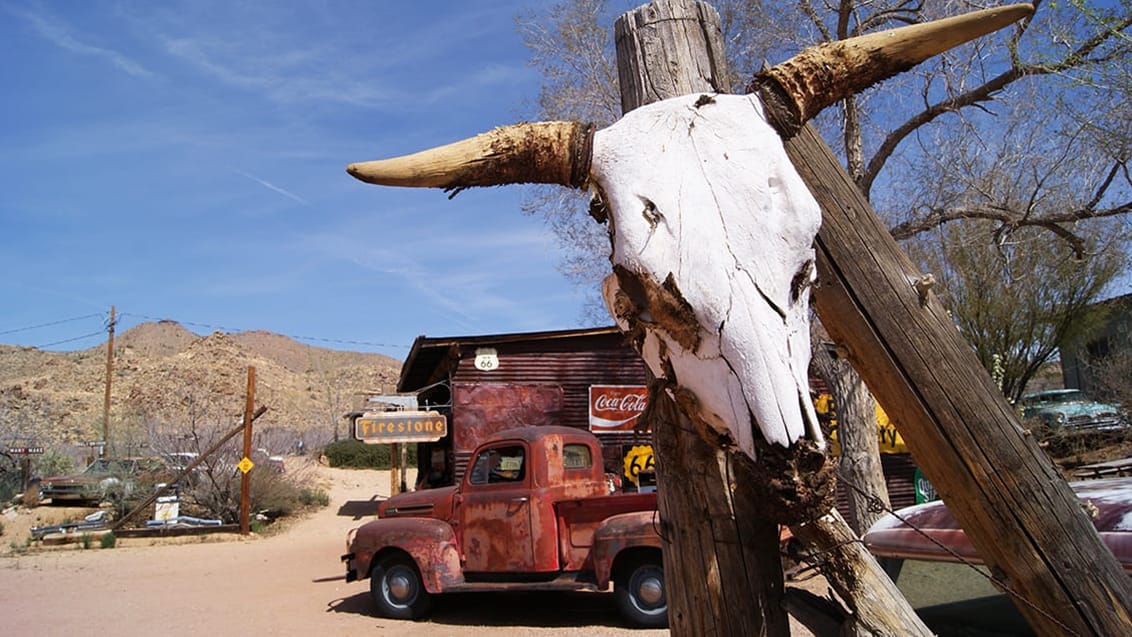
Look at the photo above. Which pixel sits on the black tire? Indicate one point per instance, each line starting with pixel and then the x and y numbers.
pixel 397 589
pixel 641 598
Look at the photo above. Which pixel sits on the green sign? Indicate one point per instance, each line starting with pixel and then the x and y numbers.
pixel 925 492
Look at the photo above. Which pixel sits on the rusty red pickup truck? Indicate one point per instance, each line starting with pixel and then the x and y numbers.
pixel 533 512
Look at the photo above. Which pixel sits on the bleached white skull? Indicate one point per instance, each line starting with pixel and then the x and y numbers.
pixel 712 228
pixel 705 204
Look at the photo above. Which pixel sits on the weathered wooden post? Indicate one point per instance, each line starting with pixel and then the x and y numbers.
pixel 697 192
pixel 1018 511
pixel 245 462
pixel 722 569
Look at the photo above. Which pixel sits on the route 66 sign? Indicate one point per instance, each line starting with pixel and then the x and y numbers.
pixel 487 359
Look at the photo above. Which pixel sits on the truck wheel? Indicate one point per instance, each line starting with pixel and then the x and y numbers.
pixel 396 586
pixel 640 595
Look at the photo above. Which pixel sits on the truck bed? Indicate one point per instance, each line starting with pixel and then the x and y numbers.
pixel 577 518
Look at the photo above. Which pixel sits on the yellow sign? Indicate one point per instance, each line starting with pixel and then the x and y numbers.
pixel 888 438
pixel 639 459
pixel 245 464
pixel 400 426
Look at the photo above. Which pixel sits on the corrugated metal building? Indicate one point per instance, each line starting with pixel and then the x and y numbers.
pixel 485 384
pixel 1097 349
pixel 490 383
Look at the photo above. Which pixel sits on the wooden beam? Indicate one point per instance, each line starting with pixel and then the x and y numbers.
pixel 722 570
pixel 1017 509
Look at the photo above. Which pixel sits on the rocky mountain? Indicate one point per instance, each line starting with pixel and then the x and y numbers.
pixel 166 378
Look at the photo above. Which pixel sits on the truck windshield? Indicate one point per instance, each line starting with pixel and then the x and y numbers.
pixel 500 464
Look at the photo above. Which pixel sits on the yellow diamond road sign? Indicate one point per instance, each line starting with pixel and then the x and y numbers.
pixel 245 464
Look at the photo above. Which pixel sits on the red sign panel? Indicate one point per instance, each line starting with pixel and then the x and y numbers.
pixel 615 408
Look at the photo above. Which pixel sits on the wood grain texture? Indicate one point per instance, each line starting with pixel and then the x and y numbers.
pixel 723 574
pixel 1018 511
pixel 722 567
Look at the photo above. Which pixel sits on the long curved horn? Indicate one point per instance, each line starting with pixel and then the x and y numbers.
pixel 532 153
pixel 824 74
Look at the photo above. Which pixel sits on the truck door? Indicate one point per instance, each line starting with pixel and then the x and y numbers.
pixel 495 512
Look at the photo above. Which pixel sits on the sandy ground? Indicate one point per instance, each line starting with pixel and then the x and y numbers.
pixel 288 583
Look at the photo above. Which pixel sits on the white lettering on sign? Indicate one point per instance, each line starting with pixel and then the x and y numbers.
pixel 628 402
pixel 616 408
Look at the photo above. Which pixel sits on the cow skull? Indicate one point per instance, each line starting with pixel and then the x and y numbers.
pixel 711 226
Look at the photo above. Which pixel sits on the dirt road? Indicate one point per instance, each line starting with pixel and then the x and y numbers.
pixel 290 583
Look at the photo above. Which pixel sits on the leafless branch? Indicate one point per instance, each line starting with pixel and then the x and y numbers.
pixel 1078 58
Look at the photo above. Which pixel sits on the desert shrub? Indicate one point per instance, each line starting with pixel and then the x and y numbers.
pixel 86 540
pixel 354 454
pixel 1069 448
pixel 54 463
pixel 216 493
pixel 314 497
pixel 274 494
pixel 108 541
pixel 9 485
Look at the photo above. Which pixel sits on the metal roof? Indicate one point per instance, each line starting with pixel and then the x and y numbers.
pixel 430 358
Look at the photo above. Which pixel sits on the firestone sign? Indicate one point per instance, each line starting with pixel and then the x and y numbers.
pixel 616 408
pixel 400 426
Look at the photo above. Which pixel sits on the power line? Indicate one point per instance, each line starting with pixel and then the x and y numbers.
pixel 206 326
pixel 35 327
pixel 68 340
pixel 231 330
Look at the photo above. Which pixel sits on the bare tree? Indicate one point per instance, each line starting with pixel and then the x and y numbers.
pixel 1073 57
pixel 1018 299
pixel 1028 128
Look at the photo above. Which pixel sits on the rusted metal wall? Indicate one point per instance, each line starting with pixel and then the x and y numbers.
pixel 537 382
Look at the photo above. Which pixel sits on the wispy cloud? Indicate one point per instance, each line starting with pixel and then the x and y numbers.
pixel 271 186
pixel 282 76
pixel 60 34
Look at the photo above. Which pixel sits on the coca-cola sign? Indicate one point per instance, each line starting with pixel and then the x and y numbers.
pixel 615 408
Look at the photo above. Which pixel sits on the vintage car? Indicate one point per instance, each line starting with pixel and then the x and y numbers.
pixel 927 554
pixel 104 478
pixel 1071 410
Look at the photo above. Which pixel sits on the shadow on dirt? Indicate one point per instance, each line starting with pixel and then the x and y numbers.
pixel 535 609
pixel 359 509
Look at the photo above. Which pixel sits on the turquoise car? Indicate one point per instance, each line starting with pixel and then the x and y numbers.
pixel 1070 410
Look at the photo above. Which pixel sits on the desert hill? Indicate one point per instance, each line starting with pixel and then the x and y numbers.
pixel 168 378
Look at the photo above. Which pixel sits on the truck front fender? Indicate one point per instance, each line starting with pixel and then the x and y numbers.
pixel 623 532
pixel 429 542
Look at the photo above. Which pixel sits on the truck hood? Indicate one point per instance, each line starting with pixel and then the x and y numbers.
pixel 426 503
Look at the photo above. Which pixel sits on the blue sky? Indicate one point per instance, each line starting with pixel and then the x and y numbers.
pixel 186 160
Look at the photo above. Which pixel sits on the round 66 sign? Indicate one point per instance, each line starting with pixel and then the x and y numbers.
pixel 386 427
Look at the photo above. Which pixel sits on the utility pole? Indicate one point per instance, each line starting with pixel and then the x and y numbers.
pixel 245 462
pixel 109 376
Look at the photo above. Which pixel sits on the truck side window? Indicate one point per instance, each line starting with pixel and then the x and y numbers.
pixel 576 457
pixel 501 464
